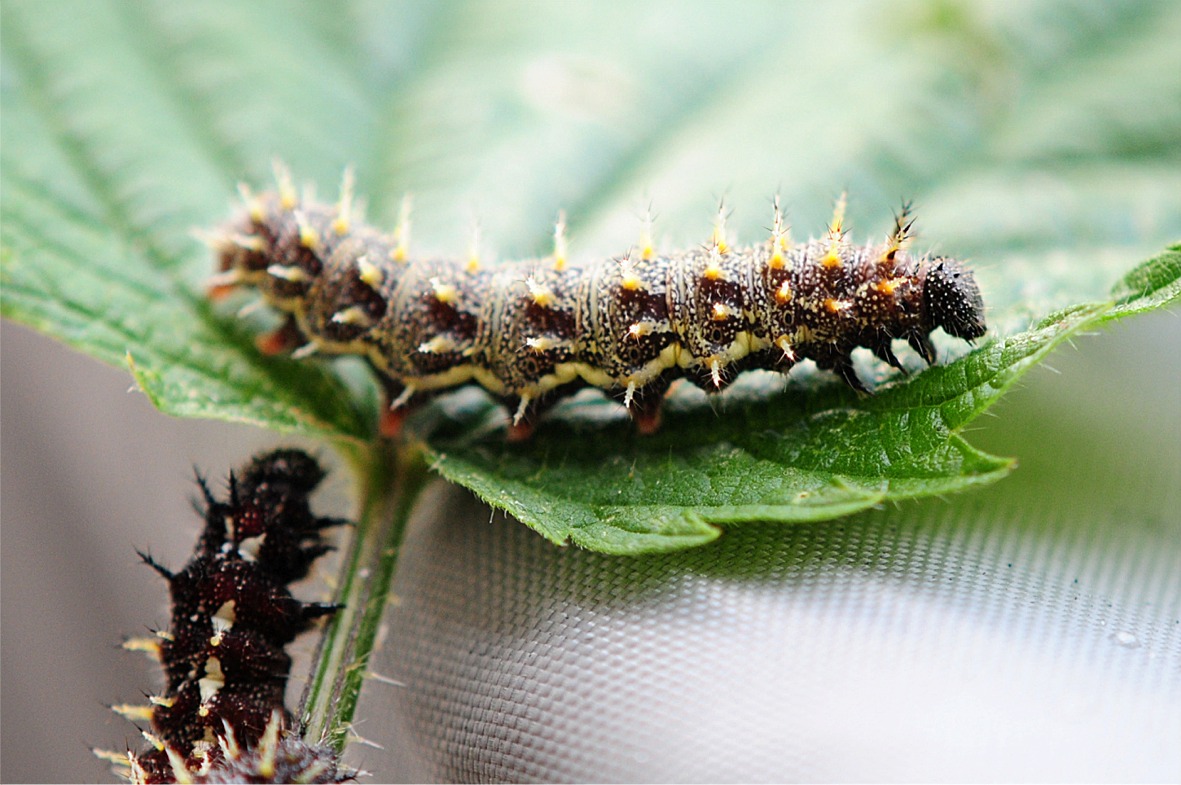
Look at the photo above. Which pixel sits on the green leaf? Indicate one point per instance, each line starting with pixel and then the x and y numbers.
pixel 81 264
pixel 126 126
pixel 787 457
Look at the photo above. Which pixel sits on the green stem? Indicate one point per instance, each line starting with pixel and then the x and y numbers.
pixel 391 480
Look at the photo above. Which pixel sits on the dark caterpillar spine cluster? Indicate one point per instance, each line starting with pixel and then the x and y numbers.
pixel 221 716
pixel 531 332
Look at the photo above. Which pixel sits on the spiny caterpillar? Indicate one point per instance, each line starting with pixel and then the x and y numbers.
pixel 532 332
pixel 221 716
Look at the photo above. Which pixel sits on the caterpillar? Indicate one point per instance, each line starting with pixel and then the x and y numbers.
pixel 532 332
pixel 221 716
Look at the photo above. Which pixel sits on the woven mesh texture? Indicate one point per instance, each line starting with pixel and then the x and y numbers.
pixel 910 643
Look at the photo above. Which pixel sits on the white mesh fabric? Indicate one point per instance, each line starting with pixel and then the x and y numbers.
pixel 981 639
pixel 1026 631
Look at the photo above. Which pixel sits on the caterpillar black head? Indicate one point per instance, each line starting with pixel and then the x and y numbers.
pixel 951 300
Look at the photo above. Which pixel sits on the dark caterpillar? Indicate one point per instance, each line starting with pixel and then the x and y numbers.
pixel 221 715
pixel 531 332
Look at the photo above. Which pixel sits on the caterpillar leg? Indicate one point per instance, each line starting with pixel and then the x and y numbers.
pixel 390 421
pixel 284 340
pixel 645 405
pixel 219 290
pixel 844 369
pixel 839 361
pixel 922 344
pixel 519 432
pixel 397 402
pixel 524 414
pixel 885 352
pixel 647 412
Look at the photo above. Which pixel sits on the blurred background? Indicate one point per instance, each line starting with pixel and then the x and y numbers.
pixel 1031 630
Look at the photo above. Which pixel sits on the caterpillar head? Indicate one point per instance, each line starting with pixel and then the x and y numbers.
pixel 951 300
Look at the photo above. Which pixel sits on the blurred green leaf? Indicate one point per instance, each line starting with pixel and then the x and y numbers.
pixel 1040 140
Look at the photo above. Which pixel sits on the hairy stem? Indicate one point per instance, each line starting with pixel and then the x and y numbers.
pixel 390 480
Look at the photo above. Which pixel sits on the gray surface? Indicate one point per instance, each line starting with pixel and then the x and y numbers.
pixel 1031 630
